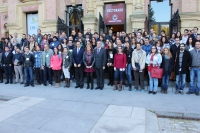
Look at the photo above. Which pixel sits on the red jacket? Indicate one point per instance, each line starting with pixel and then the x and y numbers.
pixel 56 62
pixel 120 61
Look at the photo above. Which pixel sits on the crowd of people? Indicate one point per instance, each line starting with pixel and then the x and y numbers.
pixel 121 55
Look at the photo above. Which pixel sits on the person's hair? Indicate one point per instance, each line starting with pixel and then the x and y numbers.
pixel 169 53
pixel 161 44
pixel 186 30
pixel 26 47
pixel 179 36
pixel 156 50
pixel 147 38
pixel 61 47
pixel 182 44
pixel 138 43
pixel 112 46
pixel 144 33
pixel 134 34
pixel 121 48
pixel 39 30
pixel 129 45
pixel 54 51
pixel 24 34
pixel 166 40
pixel 142 41
pixel 132 40
pixel 127 37
pixel 102 37
pixel 95 41
pixel 139 30
pixel 91 48
pixel 64 39
pixel 174 35
pixel 56 37
pixel 193 41
pixel 77 41
pixel 196 28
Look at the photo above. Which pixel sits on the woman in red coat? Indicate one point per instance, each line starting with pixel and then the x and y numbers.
pixel 56 65
pixel 119 67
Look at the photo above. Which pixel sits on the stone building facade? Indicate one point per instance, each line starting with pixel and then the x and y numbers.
pixel 13 14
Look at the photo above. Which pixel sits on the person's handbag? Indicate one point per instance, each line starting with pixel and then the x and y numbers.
pixel 156 72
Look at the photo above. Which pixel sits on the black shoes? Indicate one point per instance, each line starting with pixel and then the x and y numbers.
pixel 88 86
pixel 189 92
pixel 32 85
pixel 77 86
pixel 109 84
pixel 197 93
pixel 150 92
pixel 6 82
pixel 26 85
pixel 81 87
pixel 97 88
pixel 154 92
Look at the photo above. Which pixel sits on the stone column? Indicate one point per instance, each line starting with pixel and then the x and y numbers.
pixel 139 16
pixel 89 20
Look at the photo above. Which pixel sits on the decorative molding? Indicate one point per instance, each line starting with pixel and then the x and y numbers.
pixel 4 8
pixel 27 0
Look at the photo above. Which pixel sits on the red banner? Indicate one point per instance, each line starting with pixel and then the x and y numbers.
pixel 114 13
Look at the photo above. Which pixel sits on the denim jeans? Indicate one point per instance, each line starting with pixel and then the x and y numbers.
pixel 28 71
pixel 153 83
pixel 180 81
pixel 47 73
pixel 128 73
pixel 194 72
pixel 119 75
pixel 165 80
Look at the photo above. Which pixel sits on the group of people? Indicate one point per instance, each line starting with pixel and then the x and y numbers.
pixel 121 55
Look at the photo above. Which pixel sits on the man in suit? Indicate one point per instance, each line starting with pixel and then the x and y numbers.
pixel 122 37
pixel 100 63
pixel 77 57
pixel 195 33
pixel 7 63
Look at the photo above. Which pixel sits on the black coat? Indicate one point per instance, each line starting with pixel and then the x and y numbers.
pixel 128 54
pixel 173 50
pixel 108 52
pixel 7 60
pixel 170 67
pixel 186 62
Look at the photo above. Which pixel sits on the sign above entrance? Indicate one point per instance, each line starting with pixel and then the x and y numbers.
pixel 114 14
pixel 32 23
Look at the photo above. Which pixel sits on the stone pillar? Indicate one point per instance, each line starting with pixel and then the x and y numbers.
pixel 129 8
pixel 89 20
pixel 138 17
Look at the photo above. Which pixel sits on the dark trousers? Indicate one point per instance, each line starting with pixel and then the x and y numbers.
pixel 100 77
pixel 139 76
pixel 111 74
pixel 79 75
pixel 39 75
pixel 47 73
pixel 57 74
pixel 1 73
pixel 8 72
pixel 89 77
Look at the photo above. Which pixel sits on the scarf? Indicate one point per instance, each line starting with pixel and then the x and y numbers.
pixel 88 58
pixel 166 56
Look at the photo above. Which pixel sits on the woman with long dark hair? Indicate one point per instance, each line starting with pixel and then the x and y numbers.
pixel 190 44
pixel 110 60
pixel 154 59
pixel 128 51
pixel 94 43
pixel 56 62
pixel 89 60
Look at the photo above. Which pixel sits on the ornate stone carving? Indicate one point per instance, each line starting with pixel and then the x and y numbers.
pixel 27 0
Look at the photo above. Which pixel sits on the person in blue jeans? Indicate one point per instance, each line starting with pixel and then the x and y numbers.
pixel 28 62
pixel 195 70
pixel 182 64
pixel 167 65
pixel 128 51
pixel 154 59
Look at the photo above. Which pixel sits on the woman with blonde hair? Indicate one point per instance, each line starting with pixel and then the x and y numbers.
pixel 167 65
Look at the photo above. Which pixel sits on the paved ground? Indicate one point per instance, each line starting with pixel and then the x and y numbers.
pixel 167 125
pixel 69 110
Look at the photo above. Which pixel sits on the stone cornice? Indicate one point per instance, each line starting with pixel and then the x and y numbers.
pixel 27 1
pixel 4 8
pixel 138 17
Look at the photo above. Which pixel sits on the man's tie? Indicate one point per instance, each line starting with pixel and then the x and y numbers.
pixel 77 50
pixel 98 51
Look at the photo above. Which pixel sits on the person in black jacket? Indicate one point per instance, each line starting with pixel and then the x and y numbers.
pixel 128 51
pixel 17 61
pixel 7 63
pixel 1 67
pixel 182 63
pixel 110 61
pixel 167 65
pixel 174 48
pixel 28 61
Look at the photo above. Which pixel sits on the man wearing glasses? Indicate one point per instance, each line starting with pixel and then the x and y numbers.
pixel 174 48
pixel 182 64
